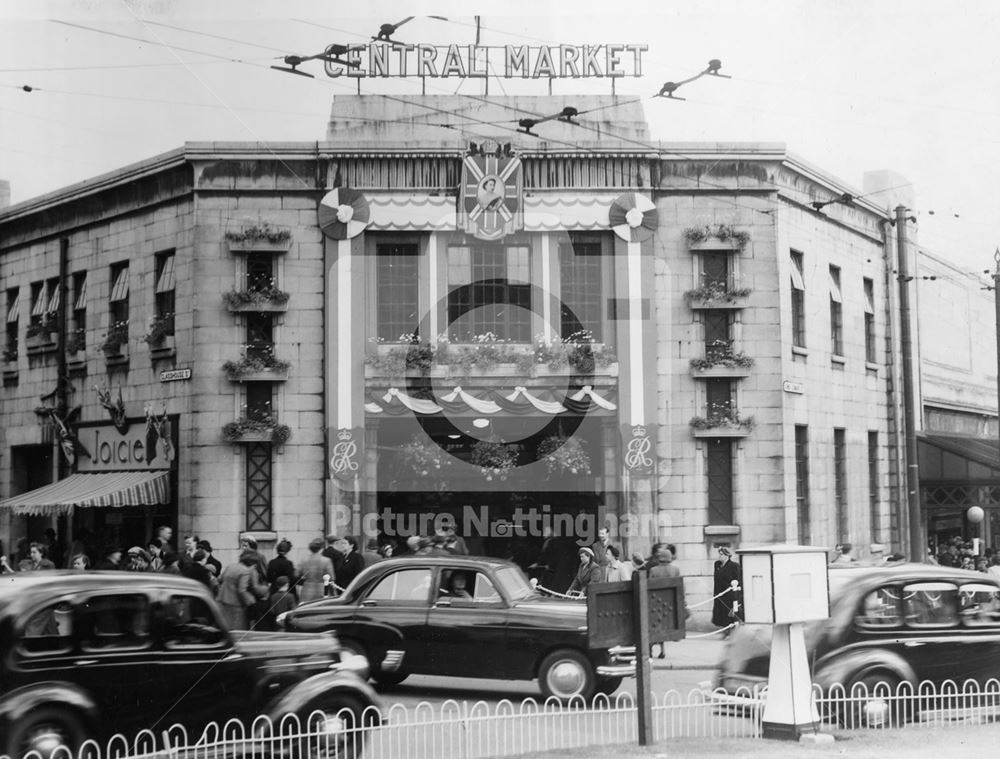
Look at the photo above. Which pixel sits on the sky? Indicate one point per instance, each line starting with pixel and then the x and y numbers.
pixel 850 86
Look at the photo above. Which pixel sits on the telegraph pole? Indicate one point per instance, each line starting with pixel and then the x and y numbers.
pixel 996 301
pixel 917 548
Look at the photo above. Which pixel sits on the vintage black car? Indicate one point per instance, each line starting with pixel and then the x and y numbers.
pixel 463 616
pixel 86 655
pixel 892 624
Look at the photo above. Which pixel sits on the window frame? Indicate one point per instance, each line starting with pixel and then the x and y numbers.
pixel 798 288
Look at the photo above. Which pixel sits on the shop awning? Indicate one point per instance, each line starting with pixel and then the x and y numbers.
pixel 85 490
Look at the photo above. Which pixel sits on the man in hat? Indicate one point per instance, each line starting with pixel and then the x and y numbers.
pixel 213 563
pixel 112 559
pixel 588 573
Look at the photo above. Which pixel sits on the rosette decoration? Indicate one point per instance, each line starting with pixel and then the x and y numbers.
pixel 564 455
pixel 494 458
pixel 343 213
pixel 633 217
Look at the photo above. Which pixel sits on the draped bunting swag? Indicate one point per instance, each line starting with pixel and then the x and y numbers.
pixel 520 401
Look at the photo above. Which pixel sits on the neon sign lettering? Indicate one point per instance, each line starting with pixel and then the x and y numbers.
pixel 384 60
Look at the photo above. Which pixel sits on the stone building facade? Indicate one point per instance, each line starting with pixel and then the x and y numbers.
pixel 703 331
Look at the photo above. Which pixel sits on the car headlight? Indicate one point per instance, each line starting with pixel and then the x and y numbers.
pixel 352 662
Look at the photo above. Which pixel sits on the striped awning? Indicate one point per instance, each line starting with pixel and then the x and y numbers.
pixel 85 490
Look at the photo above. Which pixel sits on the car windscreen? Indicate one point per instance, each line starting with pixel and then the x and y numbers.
pixel 514 584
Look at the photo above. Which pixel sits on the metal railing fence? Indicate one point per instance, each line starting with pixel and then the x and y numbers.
pixel 479 730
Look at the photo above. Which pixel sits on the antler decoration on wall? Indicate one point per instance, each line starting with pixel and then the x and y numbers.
pixel 157 429
pixel 115 409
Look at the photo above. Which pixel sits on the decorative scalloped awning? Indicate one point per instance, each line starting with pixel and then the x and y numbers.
pixel 85 490
pixel 517 403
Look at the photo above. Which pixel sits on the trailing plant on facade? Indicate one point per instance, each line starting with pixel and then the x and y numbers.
pixel 160 326
pixel 116 336
pixel 260 231
pixel 722 232
pixel 720 353
pixel 255 296
pixel 720 415
pixel 42 328
pixel 10 354
pixel 76 341
pixel 233 432
pixel 424 456
pixel 255 359
pixel 719 291
pixel 564 455
pixel 494 458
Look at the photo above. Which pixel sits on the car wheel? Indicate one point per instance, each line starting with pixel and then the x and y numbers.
pixel 871 702
pixel 43 730
pixel 565 674
pixel 337 726
pixel 607 685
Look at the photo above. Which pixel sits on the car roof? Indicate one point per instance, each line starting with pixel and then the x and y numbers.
pixel 74 581
pixel 854 579
pixel 451 560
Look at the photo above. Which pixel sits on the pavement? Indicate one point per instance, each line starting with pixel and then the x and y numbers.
pixel 697 651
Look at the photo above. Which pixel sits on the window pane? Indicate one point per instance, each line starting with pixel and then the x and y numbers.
pixel 719 460
pixel 14 307
pixel 580 268
pixel 258 486
pixel 405 585
pixel 165 280
pixel 491 303
pixel 396 284
pixel 120 290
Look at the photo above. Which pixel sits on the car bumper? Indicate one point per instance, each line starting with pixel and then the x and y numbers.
pixel 621 663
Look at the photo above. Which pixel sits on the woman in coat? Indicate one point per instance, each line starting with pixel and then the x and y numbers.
pixel 589 572
pixel 724 611
pixel 237 588
pixel 311 572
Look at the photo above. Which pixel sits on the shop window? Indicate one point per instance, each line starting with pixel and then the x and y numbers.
pixel 489 292
pixel 259 486
pixel 581 274
pixel 798 301
pixel 396 291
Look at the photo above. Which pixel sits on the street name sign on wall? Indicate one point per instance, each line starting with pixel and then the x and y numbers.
pixel 173 375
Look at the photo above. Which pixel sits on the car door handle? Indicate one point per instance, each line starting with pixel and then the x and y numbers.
pixel 913 643
pixel 443 602
pixel 369 602
pixel 84 662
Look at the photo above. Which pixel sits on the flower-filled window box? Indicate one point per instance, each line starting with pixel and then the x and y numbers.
pixel 263 430
pixel 256 299
pixel 115 342
pixel 716 237
pixel 161 327
pixel 715 294
pixel 564 455
pixel 721 361
pixel 722 422
pixel 424 457
pixel 40 335
pixel 258 364
pixel 259 236
pixel 494 458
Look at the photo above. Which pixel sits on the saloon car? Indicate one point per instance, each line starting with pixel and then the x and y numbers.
pixel 86 655
pixel 462 616
pixel 893 624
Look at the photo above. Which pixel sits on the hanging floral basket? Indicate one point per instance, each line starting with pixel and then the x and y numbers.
pixel 564 455
pixel 424 457
pixel 494 458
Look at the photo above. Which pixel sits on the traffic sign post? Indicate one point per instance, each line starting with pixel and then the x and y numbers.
pixel 638 613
